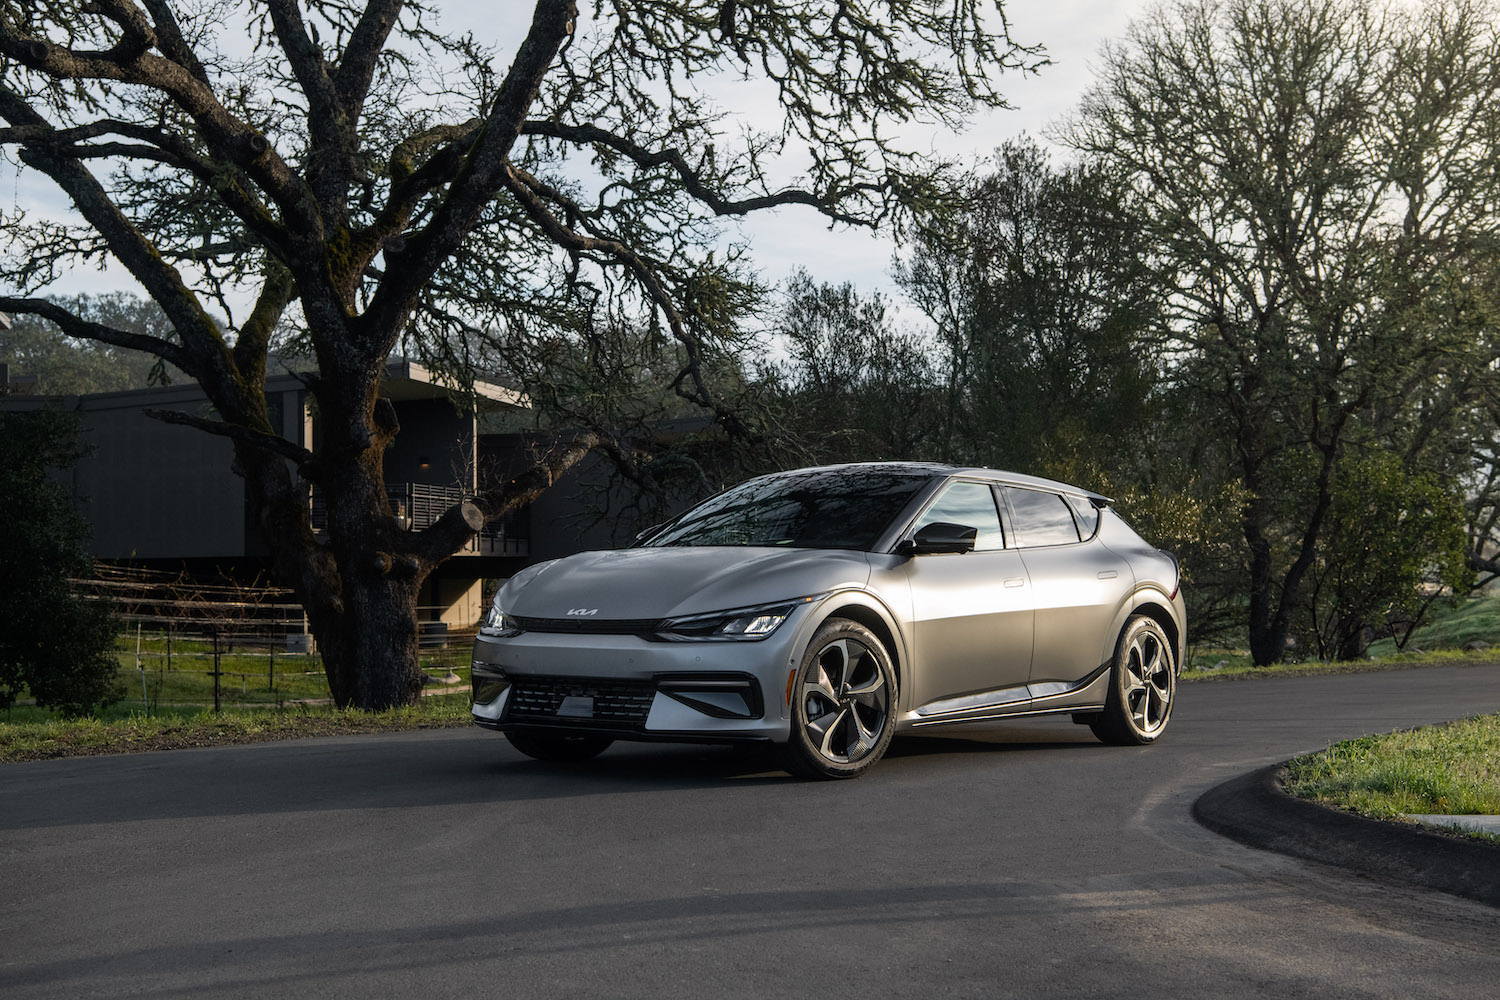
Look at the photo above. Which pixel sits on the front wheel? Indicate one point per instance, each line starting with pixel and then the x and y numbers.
pixel 1142 684
pixel 560 748
pixel 844 703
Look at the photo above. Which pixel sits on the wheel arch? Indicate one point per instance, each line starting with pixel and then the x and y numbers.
pixel 1152 602
pixel 1159 614
pixel 876 621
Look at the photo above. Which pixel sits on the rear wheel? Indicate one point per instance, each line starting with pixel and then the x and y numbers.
pixel 1142 685
pixel 560 748
pixel 844 703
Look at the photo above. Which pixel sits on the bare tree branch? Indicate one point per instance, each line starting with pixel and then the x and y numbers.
pixel 200 335
pixel 327 125
pixel 356 69
pixel 484 167
pixel 463 521
pixel 162 147
pixel 170 41
pixel 136 33
pixel 410 184
pixel 229 138
pixel 529 485
pixel 75 326
pixel 692 179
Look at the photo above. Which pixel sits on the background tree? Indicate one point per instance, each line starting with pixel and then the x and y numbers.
pixel 1312 172
pixel 854 387
pixel 1047 350
pixel 1042 299
pixel 54 642
pixel 66 365
pixel 1393 544
pixel 370 179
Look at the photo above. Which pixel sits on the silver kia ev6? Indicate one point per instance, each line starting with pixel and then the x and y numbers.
pixel 825 610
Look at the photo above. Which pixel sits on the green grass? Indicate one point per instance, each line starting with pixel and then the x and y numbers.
pixel 181 728
pixel 247 676
pixel 264 695
pixel 181 693
pixel 1446 770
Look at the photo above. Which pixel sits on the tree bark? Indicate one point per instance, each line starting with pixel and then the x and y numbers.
pixel 1353 640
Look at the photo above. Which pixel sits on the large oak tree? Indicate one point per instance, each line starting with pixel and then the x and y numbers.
pixel 373 182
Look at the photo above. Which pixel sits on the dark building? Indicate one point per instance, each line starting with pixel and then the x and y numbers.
pixel 163 496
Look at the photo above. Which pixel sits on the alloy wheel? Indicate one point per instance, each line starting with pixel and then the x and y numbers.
pixel 1148 682
pixel 845 701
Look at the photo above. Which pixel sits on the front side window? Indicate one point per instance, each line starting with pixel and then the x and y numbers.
pixel 1041 518
pixel 969 504
pixel 821 509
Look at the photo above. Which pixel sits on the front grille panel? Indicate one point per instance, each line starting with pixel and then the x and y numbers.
pixel 616 703
pixel 586 626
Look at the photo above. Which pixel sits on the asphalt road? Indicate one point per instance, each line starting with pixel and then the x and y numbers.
pixel 1007 860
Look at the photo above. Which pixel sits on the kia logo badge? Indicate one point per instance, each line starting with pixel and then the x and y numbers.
pixel 584 611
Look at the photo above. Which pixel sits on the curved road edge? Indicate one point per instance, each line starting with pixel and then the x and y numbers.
pixel 1254 810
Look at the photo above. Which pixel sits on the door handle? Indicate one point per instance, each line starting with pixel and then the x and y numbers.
pixel 1017 582
pixel 1107 574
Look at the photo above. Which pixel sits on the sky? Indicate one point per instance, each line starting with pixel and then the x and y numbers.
pixel 1072 32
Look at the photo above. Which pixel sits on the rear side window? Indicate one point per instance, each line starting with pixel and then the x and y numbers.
pixel 1041 518
pixel 970 504
pixel 1087 516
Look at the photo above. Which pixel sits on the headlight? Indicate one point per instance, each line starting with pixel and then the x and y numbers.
pixel 495 622
pixel 739 624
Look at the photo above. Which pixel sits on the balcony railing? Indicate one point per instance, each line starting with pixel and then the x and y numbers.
pixel 419 505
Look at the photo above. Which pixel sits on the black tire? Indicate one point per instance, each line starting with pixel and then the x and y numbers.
pixel 562 748
pixel 843 704
pixel 1142 686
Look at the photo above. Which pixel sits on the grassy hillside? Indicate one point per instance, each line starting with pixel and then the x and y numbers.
pixel 1474 620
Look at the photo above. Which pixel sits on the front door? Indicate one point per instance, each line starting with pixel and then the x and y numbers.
pixel 971 613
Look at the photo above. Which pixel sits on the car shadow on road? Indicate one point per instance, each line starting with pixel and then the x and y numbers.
pixel 667 765
pixel 453 768
pixel 1008 739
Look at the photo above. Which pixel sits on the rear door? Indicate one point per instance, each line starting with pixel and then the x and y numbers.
pixel 1078 584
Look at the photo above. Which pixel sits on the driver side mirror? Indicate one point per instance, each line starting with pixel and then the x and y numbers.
pixel 939 537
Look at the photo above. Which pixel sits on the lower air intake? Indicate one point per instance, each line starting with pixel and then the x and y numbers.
pixel 580 699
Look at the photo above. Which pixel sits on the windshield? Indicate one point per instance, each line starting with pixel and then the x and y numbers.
pixel 820 509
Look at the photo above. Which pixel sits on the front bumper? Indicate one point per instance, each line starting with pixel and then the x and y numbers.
pixel 631 688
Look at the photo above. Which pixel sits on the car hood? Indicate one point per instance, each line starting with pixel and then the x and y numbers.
pixel 652 583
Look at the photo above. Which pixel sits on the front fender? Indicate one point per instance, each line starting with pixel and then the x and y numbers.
pixel 864 607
